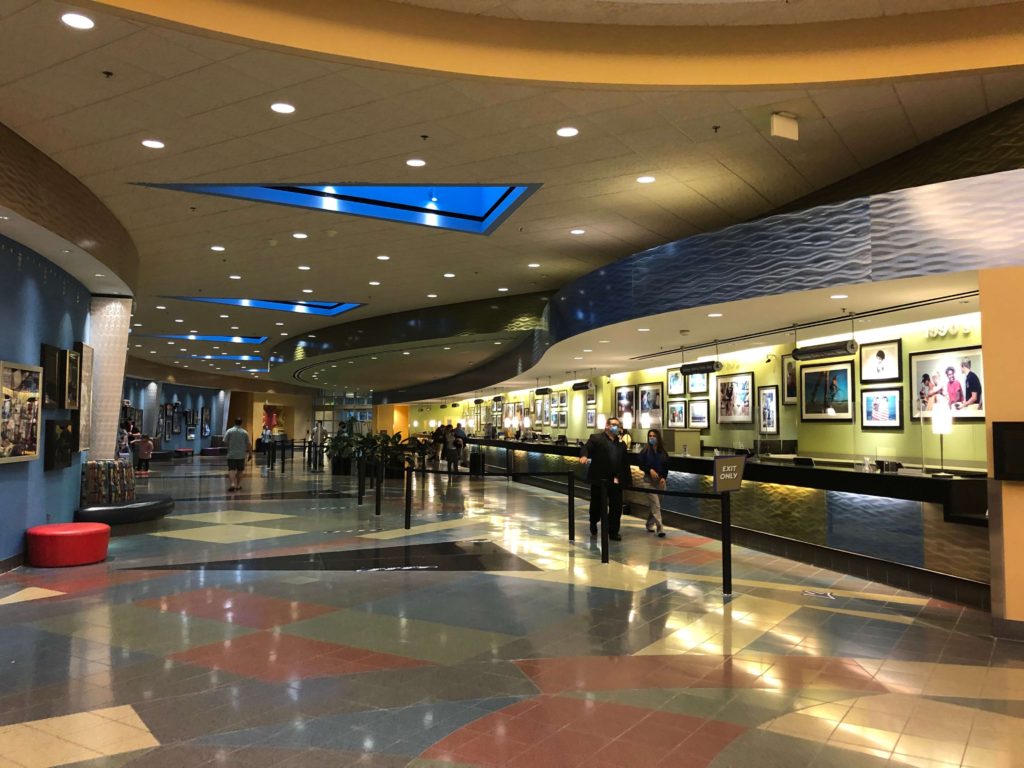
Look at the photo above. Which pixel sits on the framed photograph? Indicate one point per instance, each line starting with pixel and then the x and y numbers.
pixel 652 400
pixel 176 413
pixel 676 383
pixel 84 427
pixel 563 419
pixel 591 418
pixel 699 414
pixel 538 406
pixel 51 359
pixel 60 444
pixel 545 416
pixel 881 361
pixel 881 408
pixel 168 420
pixel 21 390
pixel 768 410
pixel 72 379
pixel 790 381
pixel 954 375
pixel 190 433
pixel 826 392
pixel 205 427
pixel 563 399
pixel 677 414
pixel 735 398
pixel 625 402
pixel 591 394
pixel 698 384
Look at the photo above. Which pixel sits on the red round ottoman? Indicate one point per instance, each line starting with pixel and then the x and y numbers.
pixel 61 544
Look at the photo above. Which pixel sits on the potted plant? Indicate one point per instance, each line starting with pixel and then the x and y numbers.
pixel 341 449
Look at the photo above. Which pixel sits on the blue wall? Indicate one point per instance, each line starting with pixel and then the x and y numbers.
pixel 42 304
pixel 142 394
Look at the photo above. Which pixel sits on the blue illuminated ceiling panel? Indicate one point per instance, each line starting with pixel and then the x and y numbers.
pixel 322 308
pixel 203 337
pixel 478 209
pixel 254 358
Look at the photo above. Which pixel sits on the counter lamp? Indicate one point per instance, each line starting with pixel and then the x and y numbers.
pixel 942 425
pixel 602 421
pixel 645 421
pixel 627 421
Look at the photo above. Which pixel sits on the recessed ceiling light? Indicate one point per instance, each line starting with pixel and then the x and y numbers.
pixel 449 274
pixel 99 275
pixel 278 323
pixel 182 349
pixel 153 144
pixel 577 231
pixel 382 257
pixel 216 347
pixel 160 306
pixel 304 268
pixel 497 343
pixel 235 277
pixel 645 179
pixel 178 320
pixel 375 282
pixel 533 266
pixel 643 330
pixel 373 358
pixel 604 341
pixel 152 351
pixel 234 327
pixel 217 248
pixel 446 348
pixel 839 296
pixel 77 21
pixel 502 290
pixel 307 290
pixel 138 345
pixel 299 235
pixel 284 333
pixel 588 350
pixel 567 132
pixel 714 314
pixel 431 295
pixel 282 108
pixel 577 358
pixel 193 331
pixel 224 317
pixel 415 162
pixel 311 336
pixel 406 353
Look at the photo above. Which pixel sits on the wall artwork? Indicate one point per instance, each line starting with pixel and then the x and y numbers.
pixel 652 401
pixel 881 361
pixel 563 419
pixel 676 383
pixel 790 381
pixel 826 392
pixel 176 418
pixel 677 415
pixel 625 402
pixel 72 380
pixel 51 359
pixel 563 399
pixel 768 410
pixel 955 376
pixel 190 433
pixel 85 397
pixel 735 398
pixel 60 444
pixel 591 394
pixel 881 408
pixel 699 414
pixel 168 420
pixel 697 383
pixel 205 427
pixel 21 390
pixel 591 418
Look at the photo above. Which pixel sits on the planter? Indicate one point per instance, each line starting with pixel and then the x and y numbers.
pixel 341 466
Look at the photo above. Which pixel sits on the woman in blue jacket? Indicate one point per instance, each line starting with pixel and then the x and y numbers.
pixel 654 465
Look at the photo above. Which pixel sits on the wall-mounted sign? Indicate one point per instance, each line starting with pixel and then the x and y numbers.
pixel 729 473
pixel 949 330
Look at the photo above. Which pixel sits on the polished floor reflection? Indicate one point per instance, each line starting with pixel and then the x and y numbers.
pixel 320 634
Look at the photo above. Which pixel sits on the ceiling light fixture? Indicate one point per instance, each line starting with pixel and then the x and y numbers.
pixel 160 306
pixel 282 108
pixel 714 314
pixel 643 330
pixel 299 235
pixel 224 317
pixel 278 323
pixel 415 162
pixel 235 277
pixel 503 290
pixel 431 295
pixel 577 231
pixel 382 257
pixel 839 296
pixel 178 320
pixel 77 21
pixel 375 282
pixel 645 179
pixel 533 266
pixel 304 268
pixel 449 274
pixel 99 275
pixel 567 132
pixel 406 353
pixel 217 248
pixel 153 144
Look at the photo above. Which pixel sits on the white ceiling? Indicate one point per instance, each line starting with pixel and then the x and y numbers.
pixel 694 12
pixel 208 99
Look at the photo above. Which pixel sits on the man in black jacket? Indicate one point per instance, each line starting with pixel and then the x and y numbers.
pixel 608 473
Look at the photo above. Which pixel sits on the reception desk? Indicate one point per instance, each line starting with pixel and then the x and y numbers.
pixel 907 529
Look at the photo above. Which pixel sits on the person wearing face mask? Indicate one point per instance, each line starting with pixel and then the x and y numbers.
pixel 654 466
pixel 608 472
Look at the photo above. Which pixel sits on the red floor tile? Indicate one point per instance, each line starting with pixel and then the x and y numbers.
pixel 277 658
pixel 242 608
pixel 692 557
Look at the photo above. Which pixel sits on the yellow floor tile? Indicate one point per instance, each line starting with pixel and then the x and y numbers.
pixel 871 738
pixel 232 516
pixel 29 593
pixel 227 534
pixel 607 576
pixel 800 726
pixel 398 533
pixel 947 751
pixel 978 757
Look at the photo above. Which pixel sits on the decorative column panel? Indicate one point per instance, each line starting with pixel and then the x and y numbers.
pixel 109 323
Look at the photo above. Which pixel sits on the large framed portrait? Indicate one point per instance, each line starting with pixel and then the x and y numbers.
pixel 591 394
pixel 591 418
pixel 72 379
pixel 51 359
pixel 826 392
pixel 21 390
pixel 652 400
pixel 954 375
pixel 881 408
pixel 699 414
pixel 697 384
pixel 676 383
pixel 205 428
pixel 85 397
pixel 60 444
pixel 625 402
pixel 881 361
pixel 768 410
pixel 677 414
pixel 735 398
pixel 790 381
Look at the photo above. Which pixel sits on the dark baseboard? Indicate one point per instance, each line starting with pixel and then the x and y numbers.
pixel 12 562
pixel 942 586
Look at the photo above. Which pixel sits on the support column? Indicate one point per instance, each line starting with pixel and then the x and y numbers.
pixel 1001 290
pixel 109 323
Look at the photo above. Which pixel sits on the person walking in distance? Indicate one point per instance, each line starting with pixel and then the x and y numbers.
pixel 236 440
pixel 608 473
pixel 654 465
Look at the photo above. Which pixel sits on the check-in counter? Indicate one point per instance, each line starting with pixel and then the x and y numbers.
pixel 906 529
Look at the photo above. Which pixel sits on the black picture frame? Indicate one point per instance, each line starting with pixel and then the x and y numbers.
pixel 936 362
pixel 675 383
pixel 817 396
pixel 768 410
pixel 72 380
pixel 676 414
pixel 625 401
pixel 698 383
pixel 881 362
pixel 176 416
pixel 168 420
pixel 60 443
pixel 694 419
pixel 790 378
pixel 873 418
pixel 204 428
pixel 737 408
pixel 84 413
pixel 651 401
pixel 50 360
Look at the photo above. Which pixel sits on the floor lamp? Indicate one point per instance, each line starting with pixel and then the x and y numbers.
pixel 942 425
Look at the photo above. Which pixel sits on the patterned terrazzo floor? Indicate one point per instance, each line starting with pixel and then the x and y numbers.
pixel 561 662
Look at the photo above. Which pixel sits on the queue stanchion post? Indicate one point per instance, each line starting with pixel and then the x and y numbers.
pixel 360 480
pixel 379 490
pixel 571 481
pixel 726 544
pixel 604 520
pixel 408 498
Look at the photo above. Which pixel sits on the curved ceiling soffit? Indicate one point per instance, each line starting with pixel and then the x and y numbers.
pixel 41 191
pixel 916 44
pixel 509 315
